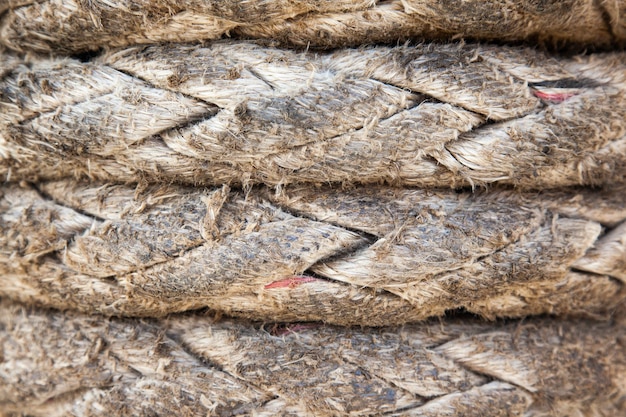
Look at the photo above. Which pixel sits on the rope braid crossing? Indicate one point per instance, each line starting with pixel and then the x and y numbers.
pixel 367 256
pixel 541 367
pixel 149 189
pixel 71 26
pixel 239 114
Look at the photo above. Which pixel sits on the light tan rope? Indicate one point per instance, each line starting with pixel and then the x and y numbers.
pixel 78 25
pixel 66 364
pixel 498 138
pixel 238 113
pixel 373 256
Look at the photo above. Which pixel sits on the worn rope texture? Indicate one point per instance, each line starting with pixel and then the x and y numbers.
pixel 240 113
pixel 76 25
pixel 66 364
pixel 373 256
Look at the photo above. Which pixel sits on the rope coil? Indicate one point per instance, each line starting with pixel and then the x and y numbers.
pixel 69 26
pixel 538 368
pixel 149 188
pixel 239 114
pixel 374 256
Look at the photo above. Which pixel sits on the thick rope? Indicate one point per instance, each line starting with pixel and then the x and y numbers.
pixel 77 25
pixel 373 256
pixel 66 364
pixel 239 113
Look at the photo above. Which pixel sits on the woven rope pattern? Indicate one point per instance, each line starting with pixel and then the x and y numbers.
pixel 87 366
pixel 371 256
pixel 155 194
pixel 77 25
pixel 238 113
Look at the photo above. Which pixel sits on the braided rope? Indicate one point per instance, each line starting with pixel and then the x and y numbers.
pixel 374 256
pixel 77 25
pixel 524 124
pixel 238 113
pixel 67 364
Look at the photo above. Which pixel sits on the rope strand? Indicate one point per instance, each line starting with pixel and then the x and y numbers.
pixel 540 367
pixel 375 256
pixel 419 116
pixel 71 26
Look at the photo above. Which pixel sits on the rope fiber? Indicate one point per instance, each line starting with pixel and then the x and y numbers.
pixel 313 208
pixel 240 114
pixel 71 26
pixel 367 256
pixel 193 365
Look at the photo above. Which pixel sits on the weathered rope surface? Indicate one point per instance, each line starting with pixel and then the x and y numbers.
pixel 66 364
pixel 77 25
pixel 367 256
pixel 240 113
pixel 511 129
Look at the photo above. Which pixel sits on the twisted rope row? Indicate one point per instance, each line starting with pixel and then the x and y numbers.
pixel 190 365
pixel 75 25
pixel 243 114
pixel 375 256
pixel 238 113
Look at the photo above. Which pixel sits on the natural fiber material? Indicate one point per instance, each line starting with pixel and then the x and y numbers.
pixel 125 280
pixel 56 364
pixel 239 113
pixel 374 256
pixel 76 25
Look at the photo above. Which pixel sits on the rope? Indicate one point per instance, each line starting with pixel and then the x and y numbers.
pixel 238 113
pixel 118 152
pixel 368 256
pixel 74 25
pixel 74 365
